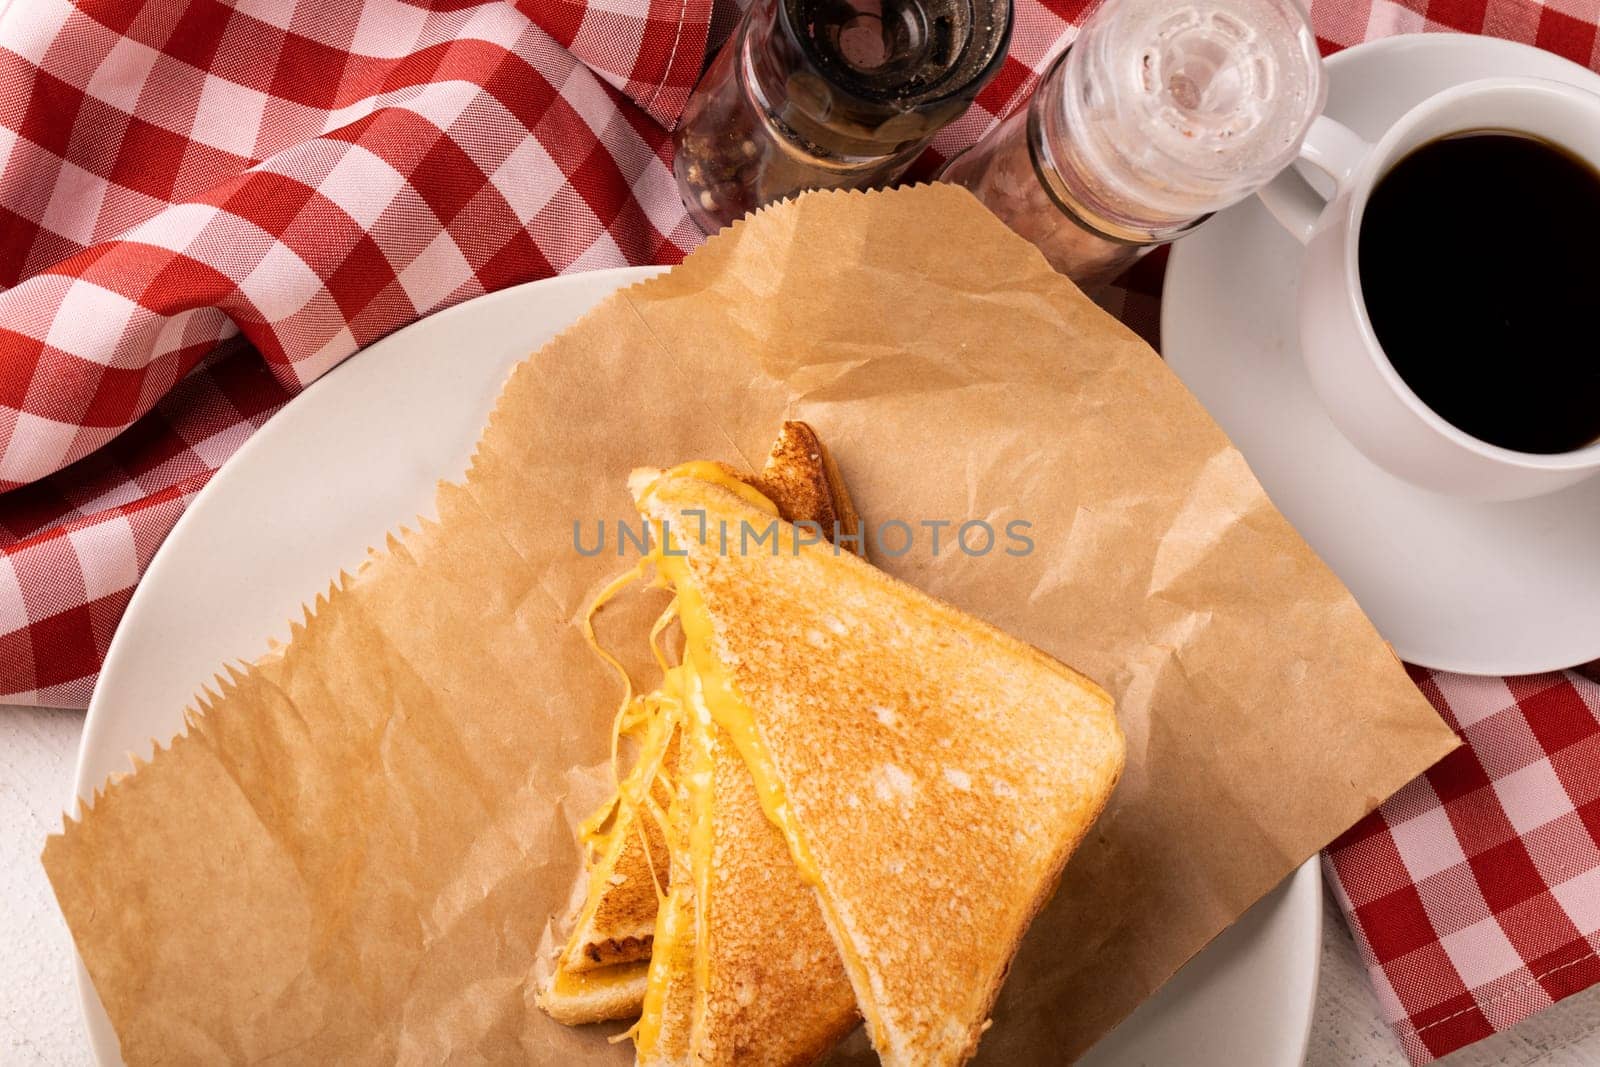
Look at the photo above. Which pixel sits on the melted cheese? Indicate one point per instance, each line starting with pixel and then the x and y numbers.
pixel 582 983
pixel 650 721
pixel 716 696
pixel 647 1031
pixel 702 839
pixel 707 471
pixel 698 696
pixel 673 921
pixel 712 697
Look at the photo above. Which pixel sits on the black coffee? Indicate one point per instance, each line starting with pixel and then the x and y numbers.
pixel 1480 266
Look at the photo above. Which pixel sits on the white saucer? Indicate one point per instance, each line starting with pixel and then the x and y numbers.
pixel 1510 588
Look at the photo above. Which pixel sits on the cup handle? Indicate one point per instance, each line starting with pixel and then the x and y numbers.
pixel 1332 149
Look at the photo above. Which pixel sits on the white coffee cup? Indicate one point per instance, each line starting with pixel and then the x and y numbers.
pixel 1360 389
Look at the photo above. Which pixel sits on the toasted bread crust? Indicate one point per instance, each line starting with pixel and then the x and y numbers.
pixel 801 478
pixel 971 762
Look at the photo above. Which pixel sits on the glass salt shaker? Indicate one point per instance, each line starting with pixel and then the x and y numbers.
pixel 1160 113
pixel 825 94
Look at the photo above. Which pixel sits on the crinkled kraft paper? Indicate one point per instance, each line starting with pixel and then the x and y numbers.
pixel 352 853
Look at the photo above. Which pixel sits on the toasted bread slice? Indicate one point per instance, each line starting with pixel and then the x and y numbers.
pixel 744 971
pixel 619 916
pixel 773 991
pixel 662 1036
pixel 597 977
pixel 801 478
pixel 616 924
pixel 769 987
pixel 931 774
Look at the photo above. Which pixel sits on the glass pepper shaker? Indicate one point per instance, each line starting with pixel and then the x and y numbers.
pixel 825 94
pixel 1159 114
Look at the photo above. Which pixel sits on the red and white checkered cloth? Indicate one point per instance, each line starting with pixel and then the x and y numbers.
pixel 205 204
pixel 1474 892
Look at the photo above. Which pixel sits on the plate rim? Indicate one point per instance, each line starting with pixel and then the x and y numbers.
pixel 1448 41
pixel 104 1046
pixel 84 790
pixel 1300 887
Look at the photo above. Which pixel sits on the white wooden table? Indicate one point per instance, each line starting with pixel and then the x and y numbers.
pixel 39 1010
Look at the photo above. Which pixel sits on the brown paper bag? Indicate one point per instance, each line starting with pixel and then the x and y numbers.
pixel 352 854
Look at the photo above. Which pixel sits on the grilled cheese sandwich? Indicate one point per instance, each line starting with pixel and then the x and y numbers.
pixel 973 763
pixel 820 706
pixel 628 868
pixel 769 987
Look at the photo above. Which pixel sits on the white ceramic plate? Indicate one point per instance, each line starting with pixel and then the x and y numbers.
pixel 1509 588
pixel 360 453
